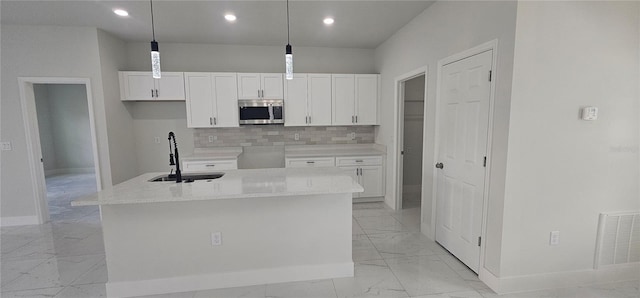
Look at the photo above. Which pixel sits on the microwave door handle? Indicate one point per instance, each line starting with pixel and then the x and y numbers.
pixel 270 112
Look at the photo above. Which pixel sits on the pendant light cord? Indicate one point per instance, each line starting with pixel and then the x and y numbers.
pixel 153 29
pixel 287 21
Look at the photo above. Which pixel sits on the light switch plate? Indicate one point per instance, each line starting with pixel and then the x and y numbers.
pixel 589 113
pixel 216 238
pixel 6 146
pixel 554 238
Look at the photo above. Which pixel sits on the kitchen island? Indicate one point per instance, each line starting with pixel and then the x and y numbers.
pixel 248 227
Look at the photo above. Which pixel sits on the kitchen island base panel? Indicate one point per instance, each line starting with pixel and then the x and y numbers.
pixel 167 247
pixel 228 280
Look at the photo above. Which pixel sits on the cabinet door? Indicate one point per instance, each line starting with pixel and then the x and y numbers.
pixel 371 180
pixel 170 86
pixel 343 96
pixel 137 85
pixel 225 92
pixel 319 99
pixel 295 101
pixel 200 100
pixel 353 173
pixel 272 86
pixel 208 166
pixel 248 85
pixel 366 99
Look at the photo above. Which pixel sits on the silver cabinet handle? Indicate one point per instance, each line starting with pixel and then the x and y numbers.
pixel 258 93
pixel 210 166
pixel 210 121
pixel 152 93
pixel 215 121
pixel 311 162
pixel 352 117
pixel 356 119
pixel 157 95
pixel 358 160
pixel 309 119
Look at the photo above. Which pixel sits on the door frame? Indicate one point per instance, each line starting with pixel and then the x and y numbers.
pixel 398 139
pixel 32 130
pixel 488 46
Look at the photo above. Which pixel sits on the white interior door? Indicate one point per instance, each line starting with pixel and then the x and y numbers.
pixel 463 126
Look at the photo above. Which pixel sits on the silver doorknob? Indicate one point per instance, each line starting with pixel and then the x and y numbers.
pixel 440 165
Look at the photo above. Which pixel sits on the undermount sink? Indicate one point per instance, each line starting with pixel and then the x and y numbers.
pixel 187 177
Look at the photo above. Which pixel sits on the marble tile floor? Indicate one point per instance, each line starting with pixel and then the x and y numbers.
pixel 392 259
pixel 62 189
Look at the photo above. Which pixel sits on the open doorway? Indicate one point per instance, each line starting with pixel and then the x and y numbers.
pixel 67 149
pixel 409 126
pixel 412 142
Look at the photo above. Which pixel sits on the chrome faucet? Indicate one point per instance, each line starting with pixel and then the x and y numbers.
pixel 177 158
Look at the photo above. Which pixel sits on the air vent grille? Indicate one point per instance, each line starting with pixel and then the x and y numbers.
pixel 618 239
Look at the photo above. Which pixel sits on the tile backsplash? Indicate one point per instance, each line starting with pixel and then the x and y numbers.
pixel 277 135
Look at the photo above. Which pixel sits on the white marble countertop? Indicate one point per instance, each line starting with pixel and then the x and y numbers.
pixel 235 184
pixel 221 153
pixel 302 151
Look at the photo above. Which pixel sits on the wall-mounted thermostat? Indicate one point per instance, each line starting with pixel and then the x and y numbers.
pixel 589 113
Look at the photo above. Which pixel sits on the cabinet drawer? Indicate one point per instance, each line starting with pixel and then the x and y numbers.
pixel 310 162
pixel 359 161
pixel 209 165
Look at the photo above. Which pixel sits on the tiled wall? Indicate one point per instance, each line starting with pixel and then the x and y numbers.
pixel 270 135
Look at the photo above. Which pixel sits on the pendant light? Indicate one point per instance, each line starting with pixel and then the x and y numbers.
pixel 155 53
pixel 288 57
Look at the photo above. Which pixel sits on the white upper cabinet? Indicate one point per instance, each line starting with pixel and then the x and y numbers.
pixel 260 86
pixel 355 99
pixel 366 99
pixel 343 99
pixel 141 86
pixel 308 100
pixel 319 99
pixel 211 99
pixel 295 101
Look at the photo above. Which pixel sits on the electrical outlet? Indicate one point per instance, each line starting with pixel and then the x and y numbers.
pixel 296 136
pixel 212 138
pixel 6 146
pixel 352 135
pixel 156 140
pixel 554 238
pixel 216 238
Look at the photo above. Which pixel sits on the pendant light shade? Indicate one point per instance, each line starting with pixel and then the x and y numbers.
pixel 288 56
pixel 155 52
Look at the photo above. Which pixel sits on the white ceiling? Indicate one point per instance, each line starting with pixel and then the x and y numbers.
pixel 358 24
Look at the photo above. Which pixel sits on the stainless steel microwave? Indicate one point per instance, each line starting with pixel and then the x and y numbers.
pixel 261 111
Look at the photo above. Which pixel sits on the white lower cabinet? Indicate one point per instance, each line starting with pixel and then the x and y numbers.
pixel 205 166
pixel 367 171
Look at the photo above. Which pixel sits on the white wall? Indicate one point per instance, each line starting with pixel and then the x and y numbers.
pixel 122 144
pixel 157 119
pixel 67 133
pixel 444 29
pixel 36 51
pixel 563 171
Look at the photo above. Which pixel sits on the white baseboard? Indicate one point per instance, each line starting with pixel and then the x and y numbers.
pixel 48 173
pixel 368 200
pixel 19 221
pixel 227 280
pixel 514 284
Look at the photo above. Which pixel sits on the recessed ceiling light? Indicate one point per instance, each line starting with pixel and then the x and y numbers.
pixel 328 21
pixel 230 17
pixel 121 12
